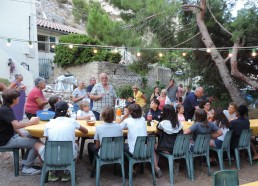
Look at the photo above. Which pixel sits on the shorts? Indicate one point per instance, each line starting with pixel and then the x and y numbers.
pixel 218 143
pixel 42 151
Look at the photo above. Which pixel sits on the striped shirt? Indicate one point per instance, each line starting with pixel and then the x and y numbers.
pixel 107 100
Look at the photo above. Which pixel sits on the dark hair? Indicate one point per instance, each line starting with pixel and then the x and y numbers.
pixel 220 119
pixel 61 108
pixel 201 116
pixel 242 110
pixel 178 106
pixel 135 110
pixel 52 101
pixel 108 114
pixel 9 95
pixel 169 113
pixel 156 101
pixel 204 102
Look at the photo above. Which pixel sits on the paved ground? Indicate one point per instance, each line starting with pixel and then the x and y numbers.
pixel 246 174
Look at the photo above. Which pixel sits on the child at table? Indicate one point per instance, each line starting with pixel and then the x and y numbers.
pixel 180 112
pixel 52 101
pixel 107 129
pixel 85 113
pixel 169 128
pixel 60 129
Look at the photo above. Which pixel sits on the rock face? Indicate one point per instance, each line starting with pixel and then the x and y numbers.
pixel 57 11
pixel 119 75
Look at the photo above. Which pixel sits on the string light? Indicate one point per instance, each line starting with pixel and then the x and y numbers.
pixel 53 46
pixel 254 53
pixel 138 54
pixel 71 46
pixel 160 54
pixel 8 42
pixel 95 51
pixel 184 54
pixel 230 53
pixel 30 44
pixel 115 50
pixel 208 50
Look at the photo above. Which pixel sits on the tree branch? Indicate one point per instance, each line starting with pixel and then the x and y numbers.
pixel 221 26
pixel 187 40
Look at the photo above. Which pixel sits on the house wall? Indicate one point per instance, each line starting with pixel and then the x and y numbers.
pixel 14 16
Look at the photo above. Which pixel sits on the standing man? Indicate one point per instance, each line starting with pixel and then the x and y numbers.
pixel 103 95
pixel 171 91
pixel 79 94
pixel 191 104
pixel 89 89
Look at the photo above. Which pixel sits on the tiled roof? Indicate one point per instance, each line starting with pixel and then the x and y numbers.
pixel 57 26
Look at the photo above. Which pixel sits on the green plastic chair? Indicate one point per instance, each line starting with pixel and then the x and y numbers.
pixel 143 152
pixel 201 148
pixel 111 152
pixel 58 156
pixel 244 143
pixel 15 158
pixel 180 150
pixel 225 178
pixel 225 147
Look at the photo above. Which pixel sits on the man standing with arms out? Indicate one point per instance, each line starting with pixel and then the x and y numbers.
pixel 191 104
pixel 89 89
pixel 103 95
pixel 78 95
pixel 171 91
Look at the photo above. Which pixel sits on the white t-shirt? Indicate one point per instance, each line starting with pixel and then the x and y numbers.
pixel 229 116
pixel 136 127
pixel 166 126
pixel 83 113
pixel 62 129
pixel 79 93
pixel 224 131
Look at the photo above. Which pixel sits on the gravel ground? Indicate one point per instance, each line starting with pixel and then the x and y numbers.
pixel 246 174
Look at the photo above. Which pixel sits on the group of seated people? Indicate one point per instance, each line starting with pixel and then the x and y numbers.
pixel 61 128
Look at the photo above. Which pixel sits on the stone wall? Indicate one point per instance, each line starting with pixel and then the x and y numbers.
pixel 119 75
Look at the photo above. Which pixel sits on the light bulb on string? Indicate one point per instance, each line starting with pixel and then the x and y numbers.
pixel 208 50
pixel 53 46
pixel 230 53
pixel 160 54
pixel 184 54
pixel 30 44
pixel 95 51
pixel 254 53
pixel 8 42
pixel 115 50
pixel 71 46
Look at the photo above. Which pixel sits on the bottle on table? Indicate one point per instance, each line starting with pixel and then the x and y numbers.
pixel 149 118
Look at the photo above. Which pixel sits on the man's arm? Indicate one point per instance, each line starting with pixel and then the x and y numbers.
pixel 217 134
pixel 83 129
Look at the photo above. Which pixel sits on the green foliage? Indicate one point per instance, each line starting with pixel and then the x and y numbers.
pixel 125 92
pixel 5 81
pixel 80 10
pixel 66 56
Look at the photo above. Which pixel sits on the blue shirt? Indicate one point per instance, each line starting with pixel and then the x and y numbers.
pixel 189 105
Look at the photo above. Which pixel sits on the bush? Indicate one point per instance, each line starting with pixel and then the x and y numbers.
pixel 125 92
pixel 66 56
pixel 5 81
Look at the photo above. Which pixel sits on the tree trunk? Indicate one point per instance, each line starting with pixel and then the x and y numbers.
pixel 216 57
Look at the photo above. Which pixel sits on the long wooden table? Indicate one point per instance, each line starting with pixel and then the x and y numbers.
pixel 38 130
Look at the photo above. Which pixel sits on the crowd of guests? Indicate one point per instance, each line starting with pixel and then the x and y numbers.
pixel 97 101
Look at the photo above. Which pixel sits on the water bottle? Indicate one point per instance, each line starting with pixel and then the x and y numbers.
pixel 73 115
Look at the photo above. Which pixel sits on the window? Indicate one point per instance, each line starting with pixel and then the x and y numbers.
pixel 42 46
pixel 52 40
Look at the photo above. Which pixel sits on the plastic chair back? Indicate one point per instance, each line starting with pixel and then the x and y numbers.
pixel 227 139
pixel 112 148
pixel 245 138
pixel 144 147
pixel 181 146
pixel 225 178
pixel 58 153
pixel 201 145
